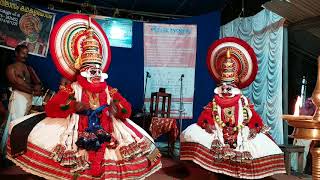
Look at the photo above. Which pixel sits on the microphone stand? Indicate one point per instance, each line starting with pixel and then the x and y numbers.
pixel 144 105
pixel 180 109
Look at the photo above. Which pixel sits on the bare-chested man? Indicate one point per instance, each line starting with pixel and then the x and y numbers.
pixel 25 84
pixel 21 76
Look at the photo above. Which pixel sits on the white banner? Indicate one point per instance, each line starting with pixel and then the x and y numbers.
pixel 169 58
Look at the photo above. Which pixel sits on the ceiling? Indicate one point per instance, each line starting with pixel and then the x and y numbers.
pixel 155 10
pixel 303 16
pixel 300 14
pixel 135 9
pixel 303 20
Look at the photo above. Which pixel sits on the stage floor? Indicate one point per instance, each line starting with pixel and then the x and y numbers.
pixel 171 170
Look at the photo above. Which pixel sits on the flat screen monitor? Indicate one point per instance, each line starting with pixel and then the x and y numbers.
pixel 118 30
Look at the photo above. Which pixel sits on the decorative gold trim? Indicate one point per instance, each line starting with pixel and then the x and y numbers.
pixel 113 91
pixel 94 100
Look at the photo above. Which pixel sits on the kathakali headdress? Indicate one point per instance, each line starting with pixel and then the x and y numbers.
pixel 78 43
pixel 232 61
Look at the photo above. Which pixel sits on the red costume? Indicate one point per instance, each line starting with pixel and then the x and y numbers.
pixel 87 133
pixel 230 136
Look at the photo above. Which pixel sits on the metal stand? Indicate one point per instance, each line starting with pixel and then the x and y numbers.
pixel 181 109
pixel 144 105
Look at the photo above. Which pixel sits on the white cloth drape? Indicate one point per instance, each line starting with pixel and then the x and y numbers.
pixel 264 32
pixel 19 104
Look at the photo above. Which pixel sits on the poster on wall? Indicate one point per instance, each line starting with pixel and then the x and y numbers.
pixel 21 24
pixel 118 30
pixel 169 60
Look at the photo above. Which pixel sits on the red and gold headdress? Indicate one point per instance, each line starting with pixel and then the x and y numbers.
pixel 90 52
pixel 228 74
pixel 231 60
pixel 73 45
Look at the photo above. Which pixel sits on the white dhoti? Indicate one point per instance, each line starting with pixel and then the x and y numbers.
pixel 19 105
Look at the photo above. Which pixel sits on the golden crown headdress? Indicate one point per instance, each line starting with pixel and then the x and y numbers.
pixel 229 74
pixel 90 51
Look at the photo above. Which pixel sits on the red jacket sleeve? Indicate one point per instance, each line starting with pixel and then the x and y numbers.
pixel 123 106
pixel 255 122
pixel 61 104
pixel 206 117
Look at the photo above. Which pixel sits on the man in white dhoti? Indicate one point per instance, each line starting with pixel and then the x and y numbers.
pixel 24 83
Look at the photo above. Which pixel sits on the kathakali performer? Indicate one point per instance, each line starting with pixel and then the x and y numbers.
pixel 85 132
pixel 230 136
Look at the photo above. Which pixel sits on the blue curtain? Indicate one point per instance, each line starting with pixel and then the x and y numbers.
pixel 208 27
pixel 126 68
pixel 264 32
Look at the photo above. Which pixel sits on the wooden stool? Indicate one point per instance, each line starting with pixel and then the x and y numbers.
pixel 288 149
pixel 161 123
pixel 158 98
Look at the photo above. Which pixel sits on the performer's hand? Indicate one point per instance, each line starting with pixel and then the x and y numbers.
pixel 79 106
pixel 252 134
pixel 113 143
pixel 113 108
pixel 84 153
pixel 37 93
pixel 37 90
pixel 210 128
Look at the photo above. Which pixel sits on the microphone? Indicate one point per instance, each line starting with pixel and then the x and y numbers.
pixel 182 76
pixel 148 75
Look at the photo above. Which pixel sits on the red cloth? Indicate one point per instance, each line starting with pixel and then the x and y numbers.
pixel 255 121
pixel 207 116
pixel 65 96
pixel 94 88
pixel 133 129
pixel 53 107
pixel 227 102
pixel 123 106
pixel 160 126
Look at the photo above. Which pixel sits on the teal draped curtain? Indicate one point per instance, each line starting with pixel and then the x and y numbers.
pixel 264 32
